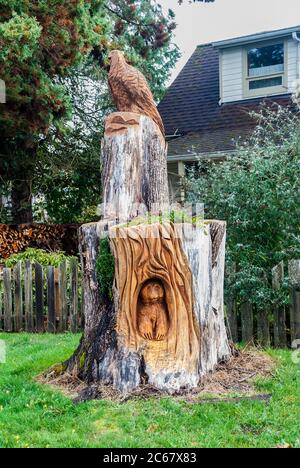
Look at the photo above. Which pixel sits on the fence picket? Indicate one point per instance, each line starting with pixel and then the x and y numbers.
pixel 232 320
pixel 51 327
pixel 74 298
pixel 279 327
pixel 247 321
pixel 7 299
pixel 294 276
pixel 263 328
pixel 28 296
pixel 18 297
pixel 39 298
pixel 62 291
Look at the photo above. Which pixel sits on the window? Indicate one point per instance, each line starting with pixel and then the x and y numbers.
pixel 265 70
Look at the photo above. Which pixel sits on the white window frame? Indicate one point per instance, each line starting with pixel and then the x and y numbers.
pixel 270 90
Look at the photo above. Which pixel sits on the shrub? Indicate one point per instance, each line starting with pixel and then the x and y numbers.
pixel 38 255
pixel 257 191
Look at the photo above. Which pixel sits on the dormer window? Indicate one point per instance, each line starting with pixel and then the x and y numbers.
pixel 265 70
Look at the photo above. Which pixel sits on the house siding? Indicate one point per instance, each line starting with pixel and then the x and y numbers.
pixel 231 72
pixel 292 65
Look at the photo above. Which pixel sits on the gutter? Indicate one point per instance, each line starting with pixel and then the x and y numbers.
pixel 196 156
pixel 256 37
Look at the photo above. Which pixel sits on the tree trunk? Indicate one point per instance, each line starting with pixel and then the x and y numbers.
pixel 164 323
pixel 21 197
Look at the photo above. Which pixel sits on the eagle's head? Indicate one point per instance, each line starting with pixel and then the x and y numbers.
pixel 116 55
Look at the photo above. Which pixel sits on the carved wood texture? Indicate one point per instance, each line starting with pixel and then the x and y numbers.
pixel 130 90
pixel 155 298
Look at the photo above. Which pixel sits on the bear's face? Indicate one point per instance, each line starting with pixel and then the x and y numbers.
pixel 152 292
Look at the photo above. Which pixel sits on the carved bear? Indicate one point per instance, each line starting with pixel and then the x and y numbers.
pixel 153 315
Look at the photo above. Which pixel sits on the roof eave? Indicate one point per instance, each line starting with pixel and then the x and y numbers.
pixel 255 37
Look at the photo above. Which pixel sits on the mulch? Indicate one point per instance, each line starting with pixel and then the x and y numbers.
pixel 231 382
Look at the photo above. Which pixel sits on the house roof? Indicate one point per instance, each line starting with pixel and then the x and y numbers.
pixel 257 37
pixel 191 108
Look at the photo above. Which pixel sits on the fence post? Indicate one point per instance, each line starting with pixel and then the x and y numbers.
pixel 7 299
pixel 280 340
pixel 51 300
pixel 294 276
pixel 247 321
pixel 39 298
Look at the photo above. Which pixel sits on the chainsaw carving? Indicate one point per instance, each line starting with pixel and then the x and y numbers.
pixel 152 311
pixel 130 90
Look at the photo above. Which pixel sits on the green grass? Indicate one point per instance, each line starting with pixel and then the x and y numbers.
pixel 34 415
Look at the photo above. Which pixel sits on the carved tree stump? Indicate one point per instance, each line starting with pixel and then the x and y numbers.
pixel 165 323
pixel 134 173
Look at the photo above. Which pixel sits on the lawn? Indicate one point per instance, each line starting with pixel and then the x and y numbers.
pixel 34 415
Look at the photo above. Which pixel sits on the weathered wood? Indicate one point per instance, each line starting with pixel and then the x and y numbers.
pixel 169 344
pixel 62 292
pixel 136 152
pixel 263 328
pixel 28 296
pixel 280 338
pixel 247 322
pixel 165 322
pixel 7 299
pixel 231 310
pixel 294 277
pixel 57 298
pixel 51 327
pixel 39 297
pixel 114 348
pixel 18 297
pixel 205 249
pixel 74 297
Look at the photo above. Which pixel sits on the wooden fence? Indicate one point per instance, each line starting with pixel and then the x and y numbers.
pixel 38 299
pixel 276 326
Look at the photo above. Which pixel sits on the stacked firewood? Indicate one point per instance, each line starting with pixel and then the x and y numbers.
pixel 52 237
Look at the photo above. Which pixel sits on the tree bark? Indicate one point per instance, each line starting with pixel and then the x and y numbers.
pixel 165 323
pixel 21 197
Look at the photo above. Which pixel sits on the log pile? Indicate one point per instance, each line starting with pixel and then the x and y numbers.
pixel 53 237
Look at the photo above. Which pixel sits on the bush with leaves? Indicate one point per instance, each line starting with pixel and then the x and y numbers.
pixel 257 191
pixel 41 256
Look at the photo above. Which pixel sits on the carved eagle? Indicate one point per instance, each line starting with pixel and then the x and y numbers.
pixel 130 90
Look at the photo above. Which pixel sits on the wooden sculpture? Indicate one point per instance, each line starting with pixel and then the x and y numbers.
pixel 152 316
pixel 130 90
pixel 163 320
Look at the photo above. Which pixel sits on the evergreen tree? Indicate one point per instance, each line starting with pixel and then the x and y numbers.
pixel 46 48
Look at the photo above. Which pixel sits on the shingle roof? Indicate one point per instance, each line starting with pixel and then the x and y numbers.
pixel 191 107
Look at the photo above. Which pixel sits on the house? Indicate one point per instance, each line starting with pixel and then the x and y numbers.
pixel 206 109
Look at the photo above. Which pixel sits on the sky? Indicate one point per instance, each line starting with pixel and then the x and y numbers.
pixel 201 23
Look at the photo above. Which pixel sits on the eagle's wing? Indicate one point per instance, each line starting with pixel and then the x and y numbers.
pixel 133 87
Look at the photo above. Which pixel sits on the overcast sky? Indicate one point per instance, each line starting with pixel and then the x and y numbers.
pixel 207 22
